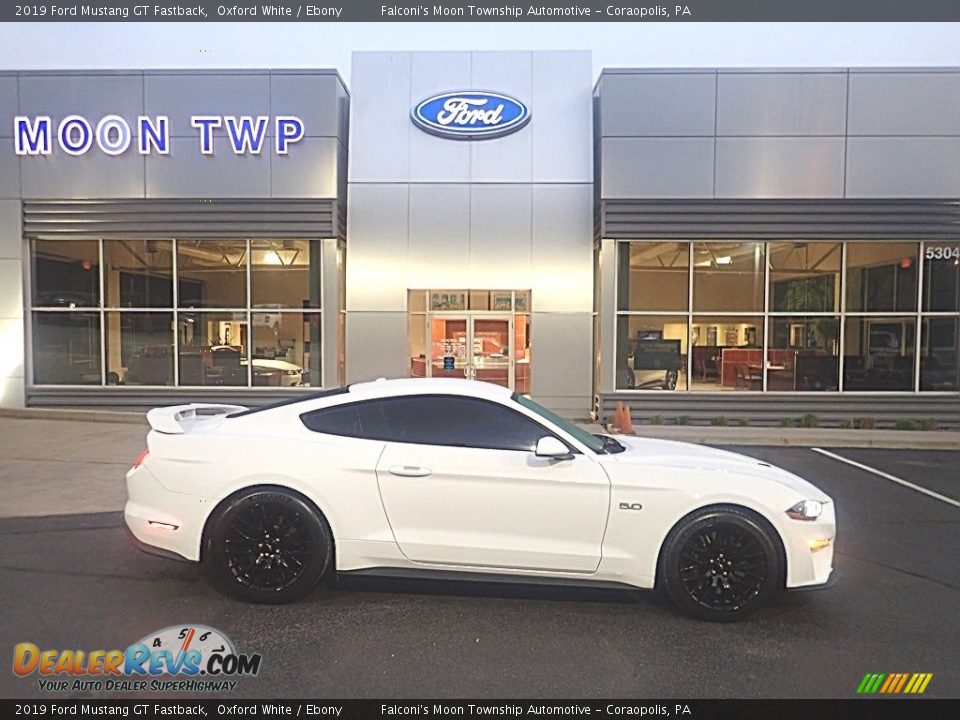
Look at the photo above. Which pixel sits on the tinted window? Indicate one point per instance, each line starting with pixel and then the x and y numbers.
pixel 431 420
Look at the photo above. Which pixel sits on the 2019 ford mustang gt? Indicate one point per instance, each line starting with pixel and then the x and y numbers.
pixel 422 476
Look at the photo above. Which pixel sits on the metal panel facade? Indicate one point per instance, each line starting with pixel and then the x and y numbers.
pixel 427 212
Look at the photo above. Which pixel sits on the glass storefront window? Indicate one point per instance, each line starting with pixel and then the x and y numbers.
pixel 213 348
pixel 728 276
pixel 803 353
pixel 879 353
pixel 138 273
pixel 286 349
pixel 653 276
pixel 66 273
pixel 284 274
pixel 941 277
pixel 940 354
pixel 652 352
pixel 881 277
pixel 804 277
pixel 212 273
pixel 139 348
pixel 727 353
pixel 66 348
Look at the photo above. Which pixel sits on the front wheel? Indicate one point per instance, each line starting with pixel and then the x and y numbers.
pixel 721 564
pixel 267 546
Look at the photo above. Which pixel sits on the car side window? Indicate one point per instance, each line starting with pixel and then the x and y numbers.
pixel 449 420
pixel 459 422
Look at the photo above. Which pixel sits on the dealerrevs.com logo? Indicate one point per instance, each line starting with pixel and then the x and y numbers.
pixel 183 658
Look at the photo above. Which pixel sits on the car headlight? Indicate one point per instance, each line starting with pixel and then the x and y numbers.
pixel 806 510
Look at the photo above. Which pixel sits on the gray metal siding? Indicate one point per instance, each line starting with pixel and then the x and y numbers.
pixel 769 409
pixel 181 218
pixel 129 398
pixel 817 219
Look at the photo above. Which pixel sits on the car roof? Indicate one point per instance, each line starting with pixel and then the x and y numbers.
pixel 429 386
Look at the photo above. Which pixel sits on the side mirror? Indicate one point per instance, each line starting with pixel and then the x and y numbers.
pixel 550 447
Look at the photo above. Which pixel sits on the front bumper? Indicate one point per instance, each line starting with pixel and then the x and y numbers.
pixel 810 567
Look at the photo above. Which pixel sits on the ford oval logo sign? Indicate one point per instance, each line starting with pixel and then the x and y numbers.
pixel 470 115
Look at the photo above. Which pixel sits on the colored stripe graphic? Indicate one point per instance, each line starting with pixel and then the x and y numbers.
pixel 894 683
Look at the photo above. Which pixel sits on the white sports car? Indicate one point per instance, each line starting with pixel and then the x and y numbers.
pixel 438 476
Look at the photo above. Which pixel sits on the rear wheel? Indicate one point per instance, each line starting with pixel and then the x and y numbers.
pixel 721 564
pixel 267 546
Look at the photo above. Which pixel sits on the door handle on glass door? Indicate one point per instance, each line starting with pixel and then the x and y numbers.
pixel 409 471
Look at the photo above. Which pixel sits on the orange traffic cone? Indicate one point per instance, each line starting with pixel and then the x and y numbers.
pixel 626 422
pixel 617 418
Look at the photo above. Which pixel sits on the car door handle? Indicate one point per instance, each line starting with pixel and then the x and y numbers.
pixel 409 471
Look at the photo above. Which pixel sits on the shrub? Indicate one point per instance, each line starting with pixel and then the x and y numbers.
pixel 744 422
pixel 787 422
pixel 656 420
pixel 683 420
pixel 928 424
pixel 719 421
pixel 846 424
pixel 905 425
pixel 865 423
pixel 810 421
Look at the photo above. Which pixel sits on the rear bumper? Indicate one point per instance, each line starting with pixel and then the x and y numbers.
pixel 162 522
pixel 153 549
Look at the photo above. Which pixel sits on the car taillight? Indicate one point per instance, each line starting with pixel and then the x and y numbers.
pixel 141 458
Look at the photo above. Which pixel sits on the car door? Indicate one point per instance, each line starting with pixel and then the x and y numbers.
pixel 461 485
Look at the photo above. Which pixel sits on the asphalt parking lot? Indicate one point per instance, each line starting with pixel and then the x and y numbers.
pixel 74 581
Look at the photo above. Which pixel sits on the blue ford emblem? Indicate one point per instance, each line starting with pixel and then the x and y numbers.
pixel 470 115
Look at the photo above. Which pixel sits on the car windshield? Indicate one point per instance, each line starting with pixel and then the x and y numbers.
pixel 591 441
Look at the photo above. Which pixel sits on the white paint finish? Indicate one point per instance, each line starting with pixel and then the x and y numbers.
pixel 11 289
pixel 309 170
pixel 779 167
pixel 888 476
pixel 561 359
pixel 377 217
pixel 185 172
pixel 475 508
pixel 447 521
pixel 652 104
pixel 12 393
pixel 11 239
pixel 377 345
pixel 432 158
pixel 500 220
pixel 903 167
pixel 439 244
pixel 11 340
pixel 812 103
pixel 508 158
pixel 562 248
pixel 380 117
pixel 657 168
pixel 904 103
pixel 562 124
pixel 92 176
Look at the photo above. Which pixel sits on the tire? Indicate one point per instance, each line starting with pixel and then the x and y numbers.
pixel 721 564
pixel 245 555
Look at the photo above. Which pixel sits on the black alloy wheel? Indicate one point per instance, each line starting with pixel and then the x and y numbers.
pixel 721 564
pixel 670 381
pixel 268 546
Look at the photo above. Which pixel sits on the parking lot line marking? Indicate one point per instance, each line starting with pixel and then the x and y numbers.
pixel 888 476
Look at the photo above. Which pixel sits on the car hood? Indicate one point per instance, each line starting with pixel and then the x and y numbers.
pixel 671 453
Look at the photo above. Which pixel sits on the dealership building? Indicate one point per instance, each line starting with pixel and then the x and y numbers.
pixel 754 244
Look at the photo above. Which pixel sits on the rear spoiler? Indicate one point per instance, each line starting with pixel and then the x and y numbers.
pixel 180 419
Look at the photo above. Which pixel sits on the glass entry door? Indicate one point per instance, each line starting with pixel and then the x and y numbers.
pixel 472 346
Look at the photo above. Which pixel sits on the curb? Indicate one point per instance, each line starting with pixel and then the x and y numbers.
pixel 106 416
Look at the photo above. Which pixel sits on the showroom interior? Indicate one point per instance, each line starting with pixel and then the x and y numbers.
pixel 695 243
